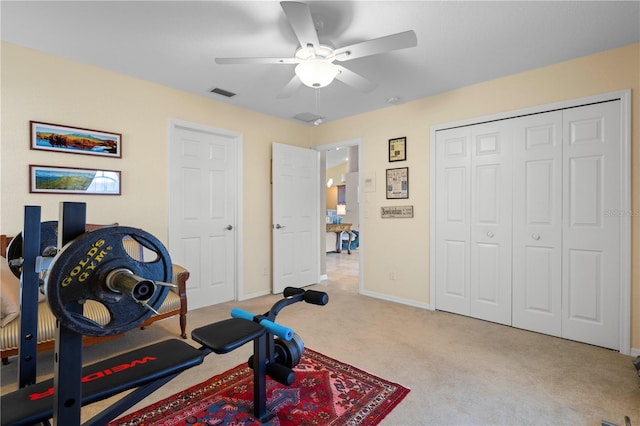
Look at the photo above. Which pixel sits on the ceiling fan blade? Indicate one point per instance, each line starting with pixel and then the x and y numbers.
pixel 293 85
pixel 355 80
pixel 300 19
pixel 225 61
pixel 377 45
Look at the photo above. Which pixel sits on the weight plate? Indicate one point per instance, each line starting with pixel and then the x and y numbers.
pixel 79 273
pixel 289 351
pixel 48 238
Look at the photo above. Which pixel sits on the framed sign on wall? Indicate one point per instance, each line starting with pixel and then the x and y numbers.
pixel 395 212
pixel 397 149
pixel 398 183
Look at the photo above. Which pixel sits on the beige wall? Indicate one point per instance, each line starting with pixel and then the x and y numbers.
pixel 332 198
pixel 336 173
pixel 403 245
pixel 37 86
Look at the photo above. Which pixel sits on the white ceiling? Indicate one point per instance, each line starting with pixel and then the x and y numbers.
pixel 459 43
pixel 337 156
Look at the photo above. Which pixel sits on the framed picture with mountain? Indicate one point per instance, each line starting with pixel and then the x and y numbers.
pixel 67 180
pixel 75 140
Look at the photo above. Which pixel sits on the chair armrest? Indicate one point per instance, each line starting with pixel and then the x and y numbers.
pixel 180 277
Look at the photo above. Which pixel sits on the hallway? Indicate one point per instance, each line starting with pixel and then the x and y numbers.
pixel 343 270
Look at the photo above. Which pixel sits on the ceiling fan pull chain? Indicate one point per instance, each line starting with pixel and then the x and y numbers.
pixel 319 119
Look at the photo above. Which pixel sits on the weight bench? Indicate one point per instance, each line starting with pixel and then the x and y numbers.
pixel 147 369
pixel 95 265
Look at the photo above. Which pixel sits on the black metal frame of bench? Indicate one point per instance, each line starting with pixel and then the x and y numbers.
pixel 147 369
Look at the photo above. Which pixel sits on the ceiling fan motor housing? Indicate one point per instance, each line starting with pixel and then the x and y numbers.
pixel 316 68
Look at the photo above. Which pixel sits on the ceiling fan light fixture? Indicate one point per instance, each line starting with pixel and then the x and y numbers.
pixel 316 74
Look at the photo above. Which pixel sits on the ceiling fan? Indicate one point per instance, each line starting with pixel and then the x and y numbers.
pixel 314 61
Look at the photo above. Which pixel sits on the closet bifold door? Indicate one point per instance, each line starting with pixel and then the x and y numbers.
pixel 591 234
pixel 452 231
pixel 529 219
pixel 491 221
pixel 537 223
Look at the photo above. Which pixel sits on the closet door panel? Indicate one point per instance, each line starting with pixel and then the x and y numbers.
pixel 591 240
pixel 537 223
pixel 490 281
pixel 452 220
pixel 487 271
pixel 585 191
pixel 585 286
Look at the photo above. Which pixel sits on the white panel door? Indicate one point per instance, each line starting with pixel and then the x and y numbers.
pixel 453 161
pixel 537 223
pixel 591 239
pixel 203 211
pixel 491 217
pixel 296 198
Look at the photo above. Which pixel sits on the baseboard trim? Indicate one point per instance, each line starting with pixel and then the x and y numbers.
pixel 634 352
pixel 323 277
pixel 394 299
pixel 253 295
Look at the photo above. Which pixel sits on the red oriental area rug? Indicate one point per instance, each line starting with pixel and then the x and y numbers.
pixel 326 392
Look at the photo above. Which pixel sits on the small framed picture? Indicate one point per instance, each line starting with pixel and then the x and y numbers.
pixel 66 180
pixel 75 140
pixel 398 183
pixel 397 149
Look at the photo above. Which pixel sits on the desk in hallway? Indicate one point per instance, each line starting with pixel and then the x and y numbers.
pixel 339 228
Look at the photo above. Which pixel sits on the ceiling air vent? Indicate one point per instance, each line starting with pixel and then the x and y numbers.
pixel 222 92
pixel 307 117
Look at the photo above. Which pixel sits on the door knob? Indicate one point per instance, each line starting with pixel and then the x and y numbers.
pixel 535 236
pixel 228 227
pixel 490 234
pixel 278 226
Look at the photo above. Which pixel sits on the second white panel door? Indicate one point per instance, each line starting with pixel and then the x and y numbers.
pixel 591 238
pixel 490 261
pixel 453 219
pixel 537 223
pixel 295 199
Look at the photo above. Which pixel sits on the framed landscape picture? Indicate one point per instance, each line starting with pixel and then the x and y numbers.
pixel 66 180
pixel 75 140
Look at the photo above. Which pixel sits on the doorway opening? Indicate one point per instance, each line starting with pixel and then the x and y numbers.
pixel 341 216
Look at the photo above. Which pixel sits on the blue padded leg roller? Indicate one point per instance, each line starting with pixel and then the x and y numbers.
pixel 239 313
pixel 279 330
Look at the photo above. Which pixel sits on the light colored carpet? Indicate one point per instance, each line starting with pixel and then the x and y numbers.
pixel 461 371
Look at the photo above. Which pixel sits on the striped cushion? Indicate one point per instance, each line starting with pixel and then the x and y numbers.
pixel 10 334
pixel 171 303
